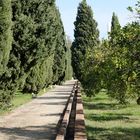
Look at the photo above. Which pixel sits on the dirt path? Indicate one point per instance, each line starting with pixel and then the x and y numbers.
pixel 38 119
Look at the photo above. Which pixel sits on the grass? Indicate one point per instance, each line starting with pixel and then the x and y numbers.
pixel 107 120
pixel 20 99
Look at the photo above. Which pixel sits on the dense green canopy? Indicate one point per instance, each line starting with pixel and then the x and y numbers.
pixel 38 54
pixel 5 33
pixel 86 37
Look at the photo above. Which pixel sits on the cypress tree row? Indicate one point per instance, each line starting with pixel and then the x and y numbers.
pixel 36 80
pixel 51 68
pixel 86 37
pixel 5 33
pixel 37 58
pixel 41 13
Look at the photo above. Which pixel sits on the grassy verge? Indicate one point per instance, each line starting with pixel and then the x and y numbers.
pixel 20 99
pixel 108 120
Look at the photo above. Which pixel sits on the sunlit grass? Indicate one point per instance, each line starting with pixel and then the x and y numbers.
pixel 108 120
pixel 20 99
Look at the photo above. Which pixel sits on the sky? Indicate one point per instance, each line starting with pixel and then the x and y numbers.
pixel 102 10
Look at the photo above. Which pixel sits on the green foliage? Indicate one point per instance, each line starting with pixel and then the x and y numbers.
pixel 59 63
pixel 96 69
pixel 124 76
pixel 116 68
pixel 25 48
pixel 114 64
pixel 31 37
pixel 86 37
pixel 135 10
pixel 5 43
pixel 115 25
pixel 51 69
pixel 37 58
pixel 42 74
pixel 5 33
pixel 115 28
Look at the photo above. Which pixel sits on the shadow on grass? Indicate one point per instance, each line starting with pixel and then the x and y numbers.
pixel 101 106
pixel 112 117
pixel 101 110
pixel 100 99
pixel 97 133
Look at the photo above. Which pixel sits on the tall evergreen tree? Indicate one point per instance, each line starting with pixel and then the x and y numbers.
pixel 115 25
pixel 115 28
pixel 31 41
pixel 51 68
pixel 86 37
pixel 40 76
pixel 32 34
pixel 5 33
pixel 60 52
pixel 5 41
pixel 36 80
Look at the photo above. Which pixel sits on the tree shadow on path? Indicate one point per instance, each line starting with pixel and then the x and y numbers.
pixel 47 132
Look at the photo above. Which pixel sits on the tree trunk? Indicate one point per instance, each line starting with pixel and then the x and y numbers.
pixel 138 101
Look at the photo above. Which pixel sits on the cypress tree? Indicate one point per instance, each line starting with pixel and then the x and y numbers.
pixel 30 38
pixel 5 33
pixel 5 42
pixel 60 52
pixel 32 34
pixel 41 74
pixel 51 68
pixel 115 28
pixel 86 37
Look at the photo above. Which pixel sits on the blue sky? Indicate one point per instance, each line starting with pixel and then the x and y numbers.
pixel 102 10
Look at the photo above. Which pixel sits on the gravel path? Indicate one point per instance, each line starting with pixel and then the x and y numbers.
pixel 38 119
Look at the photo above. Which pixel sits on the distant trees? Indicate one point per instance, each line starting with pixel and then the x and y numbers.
pixel 38 42
pixel 69 70
pixel 115 28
